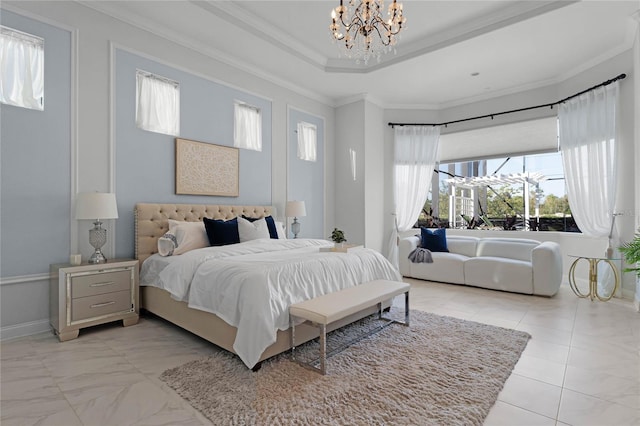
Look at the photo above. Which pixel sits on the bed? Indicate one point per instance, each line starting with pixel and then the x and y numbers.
pixel 209 264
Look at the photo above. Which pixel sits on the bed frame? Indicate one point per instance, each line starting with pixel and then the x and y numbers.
pixel 151 222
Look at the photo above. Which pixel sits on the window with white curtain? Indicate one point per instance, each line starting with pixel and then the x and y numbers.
pixel 21 69
pixel 247 129
pixel 157 103
pixel 307 141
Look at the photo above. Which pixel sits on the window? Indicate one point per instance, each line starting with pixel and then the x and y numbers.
pixel 21 69
pixel 517 191
pixel 247 130
pixel 307 139
pixel 157 103
pixel 501 203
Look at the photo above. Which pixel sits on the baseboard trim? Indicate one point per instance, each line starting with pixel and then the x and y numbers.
pixel 24 279
pixel 24 329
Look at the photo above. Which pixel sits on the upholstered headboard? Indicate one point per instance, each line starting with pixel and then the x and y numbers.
pixel 151 220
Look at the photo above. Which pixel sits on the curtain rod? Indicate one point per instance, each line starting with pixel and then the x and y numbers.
pixel 550 105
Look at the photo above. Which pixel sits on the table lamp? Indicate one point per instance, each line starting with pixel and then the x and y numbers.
pixel 295 209
pixel 96 206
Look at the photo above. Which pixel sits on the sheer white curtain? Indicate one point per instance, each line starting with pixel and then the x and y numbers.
pixel 21 69
pixel 158 104
pixel 247 129
pixel 416 153
pixel 587 127
pixel 307 140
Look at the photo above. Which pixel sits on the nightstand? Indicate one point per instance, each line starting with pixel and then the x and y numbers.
pixel 91 294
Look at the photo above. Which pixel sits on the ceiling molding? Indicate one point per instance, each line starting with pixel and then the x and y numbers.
pixel 357 98
pixel 204 49
pixel 518 89
pixel 251 23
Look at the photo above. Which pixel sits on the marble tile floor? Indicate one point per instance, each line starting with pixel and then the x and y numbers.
pixel 581 367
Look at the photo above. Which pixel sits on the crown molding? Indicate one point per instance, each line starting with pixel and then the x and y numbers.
pixel 520 88
pixel 203 49
pixel 357 98
pixel 251 23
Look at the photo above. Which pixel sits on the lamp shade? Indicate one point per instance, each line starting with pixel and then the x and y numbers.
pixel 96 205
pixel 295 209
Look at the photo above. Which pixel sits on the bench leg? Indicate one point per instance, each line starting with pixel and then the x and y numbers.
pixel 323 348
pixel 293 338
pixel 406 308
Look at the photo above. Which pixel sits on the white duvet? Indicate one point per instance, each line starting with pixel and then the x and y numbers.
pixel 251 285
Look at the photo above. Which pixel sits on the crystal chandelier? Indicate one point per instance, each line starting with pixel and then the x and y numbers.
pixel 363 30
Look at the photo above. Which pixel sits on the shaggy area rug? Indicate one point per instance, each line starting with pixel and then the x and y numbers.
pixel 439 371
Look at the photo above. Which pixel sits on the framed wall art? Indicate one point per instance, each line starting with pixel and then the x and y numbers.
pixel 206 169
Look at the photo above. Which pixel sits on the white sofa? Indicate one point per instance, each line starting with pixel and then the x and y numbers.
pixel 509 264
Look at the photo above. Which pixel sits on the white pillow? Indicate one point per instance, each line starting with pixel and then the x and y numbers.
pixel 248 231
pixel 282 235
pixel 182 237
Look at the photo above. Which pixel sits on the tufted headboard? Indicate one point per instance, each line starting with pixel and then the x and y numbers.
pixel 151 220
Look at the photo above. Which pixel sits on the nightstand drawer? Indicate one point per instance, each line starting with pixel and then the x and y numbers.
pixel 105 282
pixel 102 304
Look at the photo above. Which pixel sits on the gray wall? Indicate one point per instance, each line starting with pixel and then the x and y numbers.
pixel 35 182
pixel 36 146
pixel 350 194
pixel 145 161
pixel 306 178
pixel 374 177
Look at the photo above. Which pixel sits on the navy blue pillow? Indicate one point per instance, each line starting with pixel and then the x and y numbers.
pixel 434 239
pixel 222 232
pixel 271 224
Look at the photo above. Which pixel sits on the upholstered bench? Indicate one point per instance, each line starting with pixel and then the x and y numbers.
pixel 329 308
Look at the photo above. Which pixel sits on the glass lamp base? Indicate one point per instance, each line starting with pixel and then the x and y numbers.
pixel 295 227
pixel 97 257
pixel 97 238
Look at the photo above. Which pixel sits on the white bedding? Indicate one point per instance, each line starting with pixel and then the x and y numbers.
pixel 251 285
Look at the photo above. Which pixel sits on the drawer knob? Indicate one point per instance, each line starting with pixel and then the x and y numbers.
pixel 102 284
pixel 100 305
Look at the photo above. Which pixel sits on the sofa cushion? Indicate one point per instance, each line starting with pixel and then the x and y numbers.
pixel 446 268
pixel 510 248
pixel 434 240
pixel 462 245
pixel 499 273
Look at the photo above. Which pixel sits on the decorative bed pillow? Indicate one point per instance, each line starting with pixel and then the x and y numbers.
pixel 434 239
pixel 252 230
pixel 271 224
pixel 167 244
pixel 282 234
pixel 222 232
pixel 182 237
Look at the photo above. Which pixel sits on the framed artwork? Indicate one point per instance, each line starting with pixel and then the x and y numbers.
pixel 206 169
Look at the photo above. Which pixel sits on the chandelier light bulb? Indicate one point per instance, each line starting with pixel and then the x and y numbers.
pixel 366 33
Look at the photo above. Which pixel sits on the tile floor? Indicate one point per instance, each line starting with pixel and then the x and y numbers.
pixel 581 367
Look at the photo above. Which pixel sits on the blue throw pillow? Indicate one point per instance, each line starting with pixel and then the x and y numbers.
pixel 271 224
pixel 222 232
pixel 434 239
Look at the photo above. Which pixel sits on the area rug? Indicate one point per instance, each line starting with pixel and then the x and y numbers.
pixel 438 371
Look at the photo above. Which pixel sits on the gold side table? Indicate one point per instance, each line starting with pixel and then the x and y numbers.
pixel 593 277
